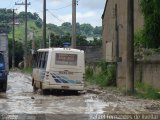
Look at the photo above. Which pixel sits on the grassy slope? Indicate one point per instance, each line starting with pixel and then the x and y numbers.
pixel 20 29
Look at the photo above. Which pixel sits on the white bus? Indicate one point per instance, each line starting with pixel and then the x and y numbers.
pixel 58 69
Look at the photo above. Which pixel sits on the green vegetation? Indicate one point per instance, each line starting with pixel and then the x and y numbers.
pixel 147 91
pixel 103 74
pixel 150 35
pixel 5 19
pixel 35 24
pixel 140 51
pixel 27 70
pixel 59 34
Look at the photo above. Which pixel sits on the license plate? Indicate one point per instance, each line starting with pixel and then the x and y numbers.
pixel 65 87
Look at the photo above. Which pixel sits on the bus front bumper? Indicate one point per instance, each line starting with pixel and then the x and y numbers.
pixel 77 87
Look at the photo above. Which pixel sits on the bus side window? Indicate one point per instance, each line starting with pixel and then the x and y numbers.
pixel 46 59
pixel 43 59
pixel 39 63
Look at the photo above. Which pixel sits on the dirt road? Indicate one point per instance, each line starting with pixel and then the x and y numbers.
pixel 20 102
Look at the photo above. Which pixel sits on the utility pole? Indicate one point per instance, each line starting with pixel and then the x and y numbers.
pixel 49 40
pixel 33 44
pixel 117 41
pixel 130 48
pixel 26 46
pixel 73 23
pixel 117 34
pixel 44 23
pixel 25 41
pixel 13 42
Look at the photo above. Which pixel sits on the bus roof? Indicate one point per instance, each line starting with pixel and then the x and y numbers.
pixel 59 49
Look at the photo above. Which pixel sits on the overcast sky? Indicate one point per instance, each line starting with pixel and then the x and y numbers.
pixel 59 11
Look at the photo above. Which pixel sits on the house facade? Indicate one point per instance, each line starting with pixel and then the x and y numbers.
pixel 109 33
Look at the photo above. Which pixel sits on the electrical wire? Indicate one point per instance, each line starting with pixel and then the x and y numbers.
pixel 11 2
pixel 55 16
pixel 62 7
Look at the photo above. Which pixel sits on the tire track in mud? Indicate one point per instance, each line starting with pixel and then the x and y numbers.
pixel 20 99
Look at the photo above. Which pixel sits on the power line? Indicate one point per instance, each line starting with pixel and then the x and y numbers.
pixel 55 8
pixel 10 3
pixel 55 16
pixel 36 10
pixel 62 7
pixel 25 40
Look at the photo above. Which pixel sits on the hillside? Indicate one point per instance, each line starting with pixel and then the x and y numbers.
pixel 35 25
pixel 59 34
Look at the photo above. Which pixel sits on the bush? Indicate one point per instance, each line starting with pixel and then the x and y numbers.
pixel 103 74
pixel 27 70
pixel 89 72
pixel 146 91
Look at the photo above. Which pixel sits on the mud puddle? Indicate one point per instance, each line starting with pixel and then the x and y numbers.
pixel 19 99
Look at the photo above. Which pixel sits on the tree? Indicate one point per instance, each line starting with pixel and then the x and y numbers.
pixel 97 31
pixel 38 20
pixel 81 41
pixel 96 42
pixel 66 27
pixel 54 28
pixel 78 31
pixel 86 29
pixel 5 18
pixel 18 52
pixel 151 32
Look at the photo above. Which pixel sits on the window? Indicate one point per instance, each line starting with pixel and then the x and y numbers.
pixel 40 60
pixel 45 60
pixel 40 57
pixel 66 59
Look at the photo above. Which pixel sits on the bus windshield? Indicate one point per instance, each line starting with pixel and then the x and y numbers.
pixel 66 59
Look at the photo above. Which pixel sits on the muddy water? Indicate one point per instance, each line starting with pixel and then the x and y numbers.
pixel 24 104
pixel 19 99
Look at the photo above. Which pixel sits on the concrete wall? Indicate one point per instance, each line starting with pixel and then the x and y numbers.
pixel 148 72
pixel 109 32
pixel 92 53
